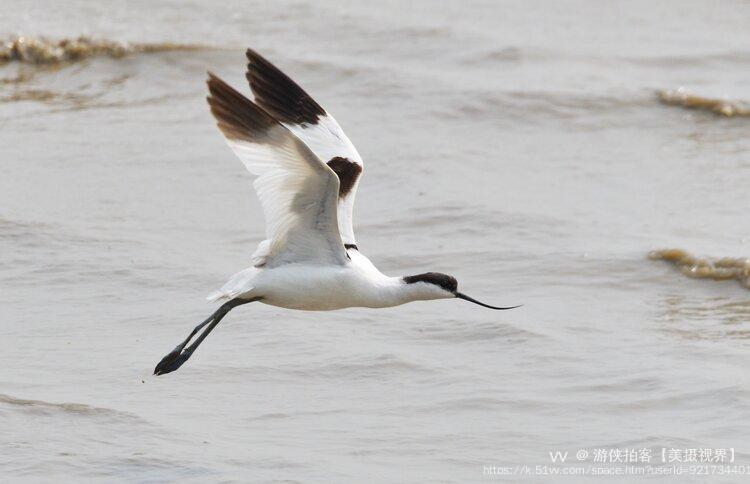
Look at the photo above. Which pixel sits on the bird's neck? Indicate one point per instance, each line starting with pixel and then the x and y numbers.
pixel 396 292
pixel 380 290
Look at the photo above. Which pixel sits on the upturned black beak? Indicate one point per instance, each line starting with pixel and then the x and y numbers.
pixel 471 299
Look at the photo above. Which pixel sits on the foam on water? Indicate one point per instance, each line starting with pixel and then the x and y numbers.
pixel 724 107
pixel 41 50
pixel 717 269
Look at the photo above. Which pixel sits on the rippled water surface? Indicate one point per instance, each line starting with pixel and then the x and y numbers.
pixel 519 146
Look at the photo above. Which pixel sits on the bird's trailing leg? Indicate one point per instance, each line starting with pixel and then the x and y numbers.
pixel 181 354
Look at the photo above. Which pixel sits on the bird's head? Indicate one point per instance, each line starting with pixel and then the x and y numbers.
pixel 435 285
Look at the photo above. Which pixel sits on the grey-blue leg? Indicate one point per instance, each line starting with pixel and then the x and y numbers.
pixel 180 354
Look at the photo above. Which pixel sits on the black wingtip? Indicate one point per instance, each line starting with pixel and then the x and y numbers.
pixel 216 84
pixel 237 116
pixel 278 94
pixel 252 55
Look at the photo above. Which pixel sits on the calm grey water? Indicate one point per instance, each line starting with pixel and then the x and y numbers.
pixel 517 145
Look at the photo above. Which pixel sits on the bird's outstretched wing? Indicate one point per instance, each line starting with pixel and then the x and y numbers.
pixel 297 190
pixel 283 99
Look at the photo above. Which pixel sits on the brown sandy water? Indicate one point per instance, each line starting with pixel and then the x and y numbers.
pixel 724 107
pixel 517 146
pixel 720 269
pixel 40 50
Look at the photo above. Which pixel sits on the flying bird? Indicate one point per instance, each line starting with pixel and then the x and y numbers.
pixel 307 174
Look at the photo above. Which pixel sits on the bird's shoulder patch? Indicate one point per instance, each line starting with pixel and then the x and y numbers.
pixel 348 172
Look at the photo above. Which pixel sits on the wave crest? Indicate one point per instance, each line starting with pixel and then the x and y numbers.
pixel 40 50
pixel 724 107
pixel 706 268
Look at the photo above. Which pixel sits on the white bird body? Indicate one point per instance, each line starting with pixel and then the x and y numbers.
pixel 357 283
pixel 307 173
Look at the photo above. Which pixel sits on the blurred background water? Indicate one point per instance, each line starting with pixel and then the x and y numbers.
pixel 519 146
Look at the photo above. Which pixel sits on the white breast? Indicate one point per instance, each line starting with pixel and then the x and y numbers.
pixel 324 288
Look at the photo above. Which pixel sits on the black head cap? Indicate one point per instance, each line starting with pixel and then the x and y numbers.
pixel 443 281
